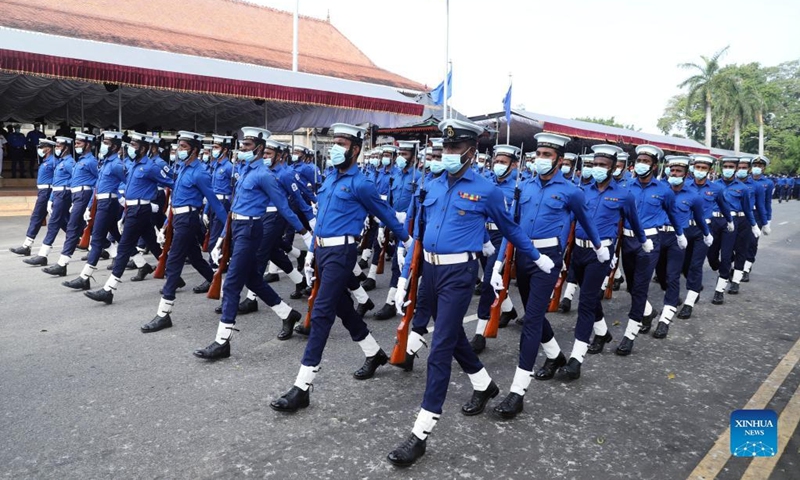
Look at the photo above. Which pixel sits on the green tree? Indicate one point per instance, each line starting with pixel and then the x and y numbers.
pixel 737 97
pixel 681 119
pixel 610 122
pixel 703 84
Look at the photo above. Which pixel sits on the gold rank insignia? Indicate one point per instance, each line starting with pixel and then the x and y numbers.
pixel 450 132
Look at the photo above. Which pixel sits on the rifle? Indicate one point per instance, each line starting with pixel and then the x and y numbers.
pixel 618 251
pixel 161 268
pixel 207 238
pixel 399 351
pixel 305 329
pixel 562 276
pixel 83 243
pixel 216 284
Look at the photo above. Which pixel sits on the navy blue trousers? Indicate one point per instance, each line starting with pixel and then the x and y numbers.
pixel 694 258
pixel 741 245
pixel 105 221
pixel 590 275
pixel 273 226
pixel 487 292
pixel 58 219
pixel 76 223
pixel 638 267
pixel 674 264
pixel 215 224
pixel 422 312
pixel 720 254
pixel 138 224
pixel 535 288
pixel 39 213
pixel 449 289
pixel 186 243
pixel 334 272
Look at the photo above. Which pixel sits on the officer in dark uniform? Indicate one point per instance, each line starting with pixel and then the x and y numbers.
pixel 759 164
pixel 84 177
pixel 191 186
pixel 384 178
pixel 110 175
pixel 746 238
pixel 61 198
pixel 256 189
pixel 345 199
pixel 222 183
pixel 144 176
pixel 44 181
pixel 456 206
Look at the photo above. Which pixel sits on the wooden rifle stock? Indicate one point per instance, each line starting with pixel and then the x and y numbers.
pixel 494 314
pixel 311 299
pixel 382 256
pixel 208 237
pixel 562 276
pixel 399 352
pixel 617 252
pixel 161 268
pixel 83 243
pixel 216 284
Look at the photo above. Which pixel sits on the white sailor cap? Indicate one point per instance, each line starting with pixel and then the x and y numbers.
pixel 139 137
pixel 530 155
pixel 84 137
pixel 283 146
pixel 587 158
pixel 426 151
pixel 551 140
pixel 208 146
pixel 111 135
pixel 437 143
pixel 154 138
pixel 47 141
pixel 272 144
pixel 623 157
pixel 747 160
pixel 222 140
pixel 729 159
pixel 482 156
pixel 389 149
pixel 298 148
pixel 459 130
pixel 173 146
pixel 760 159
pixel 407 144
pixel 384 140
pixel 353 132
pixel 67 140
pixel 190 136
pixel 571 157
pixel 507 150
pixel 256 133
pixel 677 161
pixel 606 150
pixel 650 150
pixel 702 158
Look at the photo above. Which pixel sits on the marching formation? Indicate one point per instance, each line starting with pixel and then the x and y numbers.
pixel 453 223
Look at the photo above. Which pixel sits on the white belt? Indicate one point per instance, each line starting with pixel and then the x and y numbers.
pixel 223 197
pixel 236 216
pixel 137 202
pixel 694 224
pixel 647 232
pixel 103 196
pixel 43 186
pixel 384 197
pixel 80 189
pixel 545 242
pixel 59 189
pixel 491 226
pixel 335 241
pixel 667 228
pixel 733 214
pixel 448 258
pixel 161 189
pixel 180 210
pixel 272 209
pixel 588 243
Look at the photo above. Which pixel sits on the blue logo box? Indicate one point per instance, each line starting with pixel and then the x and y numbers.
pixel 754 433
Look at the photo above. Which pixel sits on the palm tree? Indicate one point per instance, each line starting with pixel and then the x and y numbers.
pixel 736 100
pixel 703 83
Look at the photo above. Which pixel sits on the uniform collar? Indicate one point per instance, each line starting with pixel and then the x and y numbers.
pixel 350 171
pixel 557 178
pixel 653 181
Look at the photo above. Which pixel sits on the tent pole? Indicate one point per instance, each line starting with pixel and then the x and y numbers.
pixel 119 107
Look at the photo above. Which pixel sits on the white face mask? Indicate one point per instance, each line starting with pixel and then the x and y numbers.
pixel 79 150
pixel 385 161
pixel 543 165
pixel 617 172
pixel 481 164
pixel 295 157
pixel 131 152
pixel 216 153
pixel 338 155
pixel 40 152
pixel 58 152
pixel 104 149
pixel 565 169
pixel 700 175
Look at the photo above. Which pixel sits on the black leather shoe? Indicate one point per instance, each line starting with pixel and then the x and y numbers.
pixel 248 306
pixel 408 363
pixel 131 265
pixel 104 255
pixel 24 251
pixel 598 343
pixel 36 261
pixel 361 277
pixel 745 277
pixel 719 298
pixel 157 323
pixel 110 266
pixel 181 284
pixel 407 452
pixel 686 312
pixel 617 284
pixel 301 329
pixel 661 330
pixel 291 401
pixel 625 347
pixel 370 365
pixel 478 402
pixel 550 366
pixel 506 317
pixel 77 283
pixel 202 288
pixel 143 272
pixel 101 295
pixel 271 277
pixel 733 289
pixel 299 288
pixel 56 270
pixel 509 407
pixel 218 309
pixel 572 369
pixel 214 351
pixel 478 290
pixel 368 284
pixel 363 264
pixel 647 322
pixel 478 343
pixel 301 260
pixel 386 312
pixel 565 305
pixel 363 308
pixel 288 324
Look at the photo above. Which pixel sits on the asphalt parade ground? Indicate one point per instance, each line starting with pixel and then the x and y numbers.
pixel 85 395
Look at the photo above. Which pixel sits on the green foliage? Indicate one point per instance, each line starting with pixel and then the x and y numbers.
pixel 611 122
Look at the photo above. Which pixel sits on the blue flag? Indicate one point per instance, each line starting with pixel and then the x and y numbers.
pixel 437 94
pixel 507 105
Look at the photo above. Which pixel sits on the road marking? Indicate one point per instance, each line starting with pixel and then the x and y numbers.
pixel 762 467
pixel 716 458
pixel 783 223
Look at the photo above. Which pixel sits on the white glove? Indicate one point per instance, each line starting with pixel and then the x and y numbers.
pixel 87 215
pixel 497 281
pixel 648 246
pixel 216 252
pixel 682 242
pixel 603 255
pixel 401 217
pixel 314 209
pixel 708 240
pixel 488 249
pixel 120 224
pixel 160 237
pixel 614 261
pixel 400 302
pixel 401 256
pixel 381 235
pixel 122 202
pixel 766 230
pixel 205 219
pixel 366 223
pixel 71 207
pixel 49 207
pixel 153 207
pixel 408 242
pixel 545 264
pixel 312 223
pixel 307 238
pixel 308 268
pixel 756 231
pixel 730 226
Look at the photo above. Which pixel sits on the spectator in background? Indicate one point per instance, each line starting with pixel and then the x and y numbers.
pixel 16 152
pixel 3 143
pixel 63 130
pixel 31 144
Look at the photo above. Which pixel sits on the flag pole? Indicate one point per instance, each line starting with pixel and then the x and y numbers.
pixel 508 120
pixel 446 58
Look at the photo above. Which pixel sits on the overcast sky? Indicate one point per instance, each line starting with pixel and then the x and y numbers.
pixel 573 58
